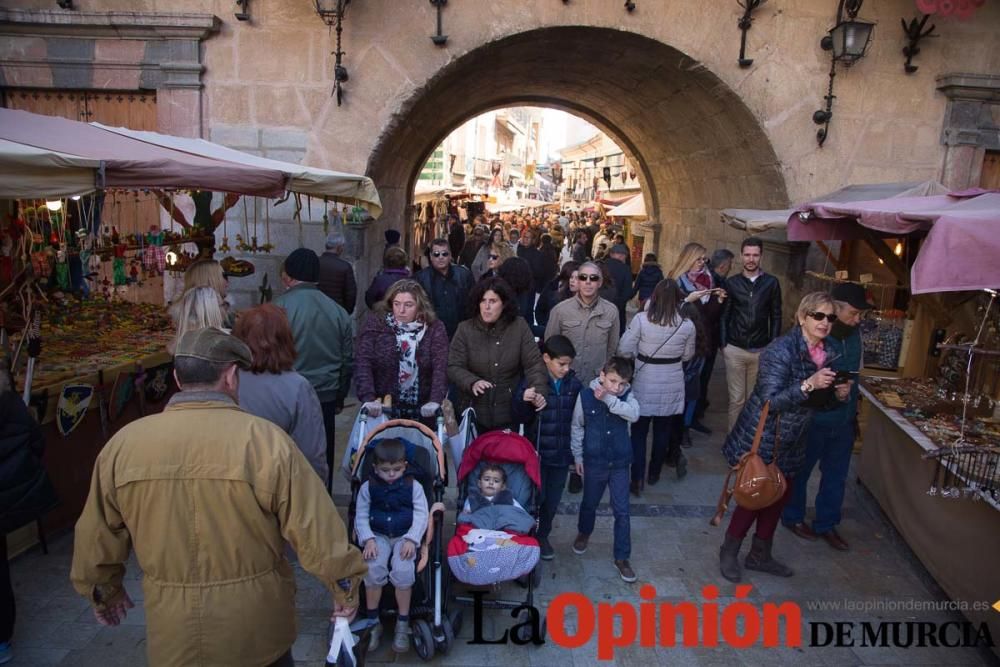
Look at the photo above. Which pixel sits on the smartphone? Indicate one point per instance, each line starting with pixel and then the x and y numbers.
pixel 844 376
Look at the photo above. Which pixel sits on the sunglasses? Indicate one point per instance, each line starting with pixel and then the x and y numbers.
pixel 441 254
pixel 819 317
pixel 494 256
pixel 588 277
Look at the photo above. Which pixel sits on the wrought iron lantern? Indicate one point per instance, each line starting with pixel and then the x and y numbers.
pixel 332 13
pixel 848 41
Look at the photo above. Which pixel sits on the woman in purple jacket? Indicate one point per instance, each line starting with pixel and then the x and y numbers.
pixel 402 351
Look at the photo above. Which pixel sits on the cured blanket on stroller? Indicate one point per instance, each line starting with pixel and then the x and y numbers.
pixel 482 557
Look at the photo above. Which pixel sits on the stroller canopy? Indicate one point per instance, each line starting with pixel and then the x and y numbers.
pixel 501 447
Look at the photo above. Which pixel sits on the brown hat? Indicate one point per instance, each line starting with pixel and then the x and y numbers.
pixel 215 345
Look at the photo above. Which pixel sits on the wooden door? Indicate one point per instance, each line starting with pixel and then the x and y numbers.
pixel 990 178
pixel 130 212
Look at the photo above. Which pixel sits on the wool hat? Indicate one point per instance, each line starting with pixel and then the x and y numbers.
pixel 619 249
pixel 852 294
pixel 391 236
pixel 302 265
pixel 215 345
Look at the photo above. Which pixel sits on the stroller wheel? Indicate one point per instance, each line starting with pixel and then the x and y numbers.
pixel 455 617
pixel 423 639
pixel 449 636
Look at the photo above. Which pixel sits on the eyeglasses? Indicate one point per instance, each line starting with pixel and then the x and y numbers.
pixel 588 277
pixel 440 253
pixel 819 317
pixel 494 256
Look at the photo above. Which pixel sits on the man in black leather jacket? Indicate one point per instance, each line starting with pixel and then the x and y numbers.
pixel 750 321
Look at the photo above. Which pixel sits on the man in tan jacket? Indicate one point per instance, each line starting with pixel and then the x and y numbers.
pixel 207 495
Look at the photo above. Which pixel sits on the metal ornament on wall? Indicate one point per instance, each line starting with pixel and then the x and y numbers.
pixel 439 39
pixel 914 33
pixel 243 10
pixel 629 6
pixel 744 25
pixel 847 42
pixel 332 13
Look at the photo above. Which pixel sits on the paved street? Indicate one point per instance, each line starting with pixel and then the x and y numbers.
pixel 674 549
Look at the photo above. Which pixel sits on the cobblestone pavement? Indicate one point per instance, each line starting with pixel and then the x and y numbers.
pixel 674 550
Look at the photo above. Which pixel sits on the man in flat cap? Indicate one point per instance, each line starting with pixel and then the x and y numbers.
pixel 324 339
pixel 207 495
pixel 830 436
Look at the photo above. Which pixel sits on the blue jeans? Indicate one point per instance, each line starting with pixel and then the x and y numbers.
pixel 553 483
pixel 831 447
pixel 595 479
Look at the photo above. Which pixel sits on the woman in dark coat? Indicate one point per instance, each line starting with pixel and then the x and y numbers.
pixel 795 378
pixel 490 352
pixel 560 289
pixel 402 351
pixel 25 490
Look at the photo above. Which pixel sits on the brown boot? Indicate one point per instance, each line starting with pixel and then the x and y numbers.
pixel 760 559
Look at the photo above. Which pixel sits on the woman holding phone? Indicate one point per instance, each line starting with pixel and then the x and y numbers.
pixel 795 378
pixel 699 288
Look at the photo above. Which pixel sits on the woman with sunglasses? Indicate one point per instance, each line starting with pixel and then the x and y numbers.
pixel 796 378
pixel 700 289
pixel 480 265
pixel 498 254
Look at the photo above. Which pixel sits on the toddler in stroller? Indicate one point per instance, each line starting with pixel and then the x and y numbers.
pixel 390 524
pixel 498 482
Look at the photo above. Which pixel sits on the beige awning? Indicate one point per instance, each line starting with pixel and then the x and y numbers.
pixel 633 208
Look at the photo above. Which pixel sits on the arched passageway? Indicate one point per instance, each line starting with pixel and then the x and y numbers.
pixel 698 147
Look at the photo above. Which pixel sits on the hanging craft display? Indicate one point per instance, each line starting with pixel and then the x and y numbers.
pixel 72 408
pixel 157 382
pixel 154 257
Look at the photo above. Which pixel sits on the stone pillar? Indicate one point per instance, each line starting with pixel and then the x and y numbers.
pixel 971 126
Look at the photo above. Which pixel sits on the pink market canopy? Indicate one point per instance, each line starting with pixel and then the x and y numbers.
pixel 963 234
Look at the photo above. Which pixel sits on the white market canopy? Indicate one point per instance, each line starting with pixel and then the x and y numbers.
pixel 24 169
pixel 633 208
pixel 755 221
pixel 312 181
pixel 51 157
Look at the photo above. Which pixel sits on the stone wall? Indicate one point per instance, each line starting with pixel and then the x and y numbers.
pixel 663 81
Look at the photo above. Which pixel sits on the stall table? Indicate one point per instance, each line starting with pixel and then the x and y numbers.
pixel 957 540
pixel 106 347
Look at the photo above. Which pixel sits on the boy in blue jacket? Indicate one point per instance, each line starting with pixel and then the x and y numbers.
pixel 549 429
pixel 602 451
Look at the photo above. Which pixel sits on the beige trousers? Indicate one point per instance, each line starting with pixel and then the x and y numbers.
pixel 741 376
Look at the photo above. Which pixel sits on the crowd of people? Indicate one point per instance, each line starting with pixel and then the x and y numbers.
pixel 523 319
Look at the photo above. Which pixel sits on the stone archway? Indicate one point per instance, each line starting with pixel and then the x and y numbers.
pixel 697 145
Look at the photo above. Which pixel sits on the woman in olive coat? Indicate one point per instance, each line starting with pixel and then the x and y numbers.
pixel 490 352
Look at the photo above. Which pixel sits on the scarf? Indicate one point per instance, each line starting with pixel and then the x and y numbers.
pixel 701 280
pixel 408 336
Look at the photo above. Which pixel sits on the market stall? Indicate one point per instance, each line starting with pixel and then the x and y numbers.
pixel 948 511
pixel 82 261
pixel 931 442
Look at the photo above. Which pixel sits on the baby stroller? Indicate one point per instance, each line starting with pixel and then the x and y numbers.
pixel 483 557
pixel 431 627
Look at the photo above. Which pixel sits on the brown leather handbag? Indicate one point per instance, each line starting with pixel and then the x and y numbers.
pixel 757 484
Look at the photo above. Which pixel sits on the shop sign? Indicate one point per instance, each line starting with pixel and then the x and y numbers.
pixel 72 408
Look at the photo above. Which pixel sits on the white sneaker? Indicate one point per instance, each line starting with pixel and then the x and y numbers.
pixel 375 637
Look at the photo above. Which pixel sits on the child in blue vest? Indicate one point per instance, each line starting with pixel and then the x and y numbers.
pixel 390 524
pixel 549 429
pixel 602 450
